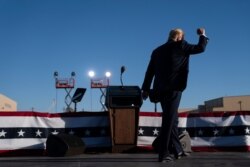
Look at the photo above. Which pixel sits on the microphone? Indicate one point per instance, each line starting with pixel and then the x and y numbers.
pixel 123 68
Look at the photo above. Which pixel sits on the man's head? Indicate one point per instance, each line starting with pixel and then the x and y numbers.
pixel 176 34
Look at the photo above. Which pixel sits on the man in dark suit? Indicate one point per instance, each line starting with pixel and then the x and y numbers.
pixel 169 66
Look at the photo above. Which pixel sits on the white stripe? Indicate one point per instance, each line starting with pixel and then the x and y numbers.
pixel 145 141
pixel 14 144
pixel 182 122
pixel 228 141
pixel 86 121
pixel 221 141
pixel 150 121
pixel 218 121
pixel 97 141
pixel 44 122
pixel 245 119
pixel 156 121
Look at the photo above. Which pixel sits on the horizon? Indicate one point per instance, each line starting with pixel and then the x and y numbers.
pixel 40 37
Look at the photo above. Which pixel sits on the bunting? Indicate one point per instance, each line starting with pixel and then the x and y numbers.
pixel 213 131
pixel 29 130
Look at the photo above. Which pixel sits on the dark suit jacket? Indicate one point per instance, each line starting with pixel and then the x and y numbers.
pixel 169 63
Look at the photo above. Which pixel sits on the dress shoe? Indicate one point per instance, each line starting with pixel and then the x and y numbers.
pixel 166 159
pixel 181 154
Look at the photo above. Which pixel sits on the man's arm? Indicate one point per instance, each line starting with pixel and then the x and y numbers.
pixel 149 75
pixel 198 48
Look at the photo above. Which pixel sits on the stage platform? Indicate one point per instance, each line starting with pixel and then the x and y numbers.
pixel 196 159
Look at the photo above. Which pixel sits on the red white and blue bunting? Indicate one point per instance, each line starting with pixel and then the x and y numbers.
pixel 212 131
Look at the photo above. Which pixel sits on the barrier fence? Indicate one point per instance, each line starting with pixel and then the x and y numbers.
pixel 24 133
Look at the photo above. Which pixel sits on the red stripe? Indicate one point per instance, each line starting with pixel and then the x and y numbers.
pixel 147 114
pixel 23 152
pixel 206 149
pixel 214 149
pixel 158 114
pixel 150 114
pixel 219 114
pixel 201 114
pixel 52 115
pixel 43 152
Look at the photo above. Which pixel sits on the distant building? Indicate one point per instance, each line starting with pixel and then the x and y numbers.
pixel 181 110
pixel 228 103
pixel 7 104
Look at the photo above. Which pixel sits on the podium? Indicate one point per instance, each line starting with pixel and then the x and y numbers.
pixel 123 104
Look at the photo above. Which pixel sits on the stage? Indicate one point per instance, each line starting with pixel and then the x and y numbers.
pixel 25 133
pixel 196 159
pixel 217 139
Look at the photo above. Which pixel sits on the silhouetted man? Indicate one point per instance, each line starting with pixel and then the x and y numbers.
pixel 168 66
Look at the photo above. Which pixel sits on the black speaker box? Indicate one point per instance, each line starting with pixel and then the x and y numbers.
pixel 123 97
pixel 185 142
pixel 64 145
pixel 184 139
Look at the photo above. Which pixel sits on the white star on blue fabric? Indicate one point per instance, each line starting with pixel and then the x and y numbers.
pixel 216 132
pixel 103 132
pixel 2 133
pixel 247 131
pixel 141 131
pixel 71 132
pixel 55 132
pixel 155 132
pixel 38 133
pixel 231 131
pixel 21 133
pixel 87 132
pixel 200 132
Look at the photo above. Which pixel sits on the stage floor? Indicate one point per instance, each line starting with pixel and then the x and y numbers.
pixel 196 159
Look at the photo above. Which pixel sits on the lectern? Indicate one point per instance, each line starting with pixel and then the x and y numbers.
pixel 123 104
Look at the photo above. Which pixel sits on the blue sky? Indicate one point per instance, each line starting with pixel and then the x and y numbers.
pixel 38 37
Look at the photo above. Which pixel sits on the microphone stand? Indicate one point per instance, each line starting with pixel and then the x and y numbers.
pixel 122 87
pixel 155 107
pixel 122 71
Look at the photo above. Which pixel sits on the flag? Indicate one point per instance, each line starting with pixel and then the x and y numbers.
pixel 29 130
pixel 210 131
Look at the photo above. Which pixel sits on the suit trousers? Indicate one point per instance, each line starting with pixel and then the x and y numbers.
pixel 169 136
